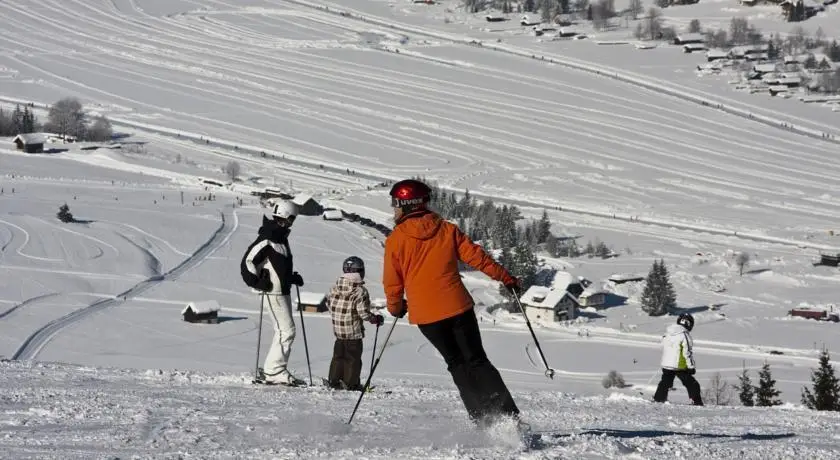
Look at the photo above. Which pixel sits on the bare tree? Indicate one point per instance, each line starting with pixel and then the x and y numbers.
pixel 742 260
pixel 694 26
pixel 639 33
pixel 66 117
pixel 100 131
pixel 796 40
pixel 738 29
pixel 636 8
pixel 719 392
pixel 819 37
pixel 232 169
pixel 654 22
pixel 717 39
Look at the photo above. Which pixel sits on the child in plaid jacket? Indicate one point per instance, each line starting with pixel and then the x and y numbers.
pixel 349 304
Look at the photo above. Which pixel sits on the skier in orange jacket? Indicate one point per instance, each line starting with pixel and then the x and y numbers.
pixel 421 262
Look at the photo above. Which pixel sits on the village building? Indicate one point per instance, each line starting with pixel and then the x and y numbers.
pixel 30 142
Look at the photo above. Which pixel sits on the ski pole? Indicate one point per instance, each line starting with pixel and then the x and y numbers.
pixel 303 328
pixel 373 368
pixel 373 352
pixel 259 337
pixel 549 372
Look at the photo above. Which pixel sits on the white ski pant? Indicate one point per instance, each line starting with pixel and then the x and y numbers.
pixel 280 312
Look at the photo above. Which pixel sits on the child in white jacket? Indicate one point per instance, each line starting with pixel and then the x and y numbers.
pixel 678 360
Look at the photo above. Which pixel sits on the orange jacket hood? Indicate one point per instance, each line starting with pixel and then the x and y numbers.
pixel 422 227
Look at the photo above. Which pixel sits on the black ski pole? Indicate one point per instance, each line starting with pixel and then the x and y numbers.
pixel 375 365
pixel 259 337
pixel 303 328
pixel 373 352
pixel 549 372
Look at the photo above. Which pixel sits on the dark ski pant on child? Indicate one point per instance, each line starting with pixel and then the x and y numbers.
pixel 346 365
pixel 481 387
pixel 687 379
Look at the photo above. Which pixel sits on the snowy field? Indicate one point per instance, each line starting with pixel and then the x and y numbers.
pixel 91 311
pixel 324 90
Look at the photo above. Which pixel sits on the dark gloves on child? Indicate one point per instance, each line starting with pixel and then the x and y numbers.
pixel 376 320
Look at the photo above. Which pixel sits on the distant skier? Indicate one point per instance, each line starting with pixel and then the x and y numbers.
pixel 267 266
pixel 678 360
pixel 349 304
pixel 421 261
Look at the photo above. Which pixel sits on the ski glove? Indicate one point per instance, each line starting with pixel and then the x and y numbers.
pixel 376 320
pixel 264 283
pixel 297 279
pixel 402 311
pixel 514 286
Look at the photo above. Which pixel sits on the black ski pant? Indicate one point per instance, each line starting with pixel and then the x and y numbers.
pixel 479 383
pixel 346 364
pixel 687 379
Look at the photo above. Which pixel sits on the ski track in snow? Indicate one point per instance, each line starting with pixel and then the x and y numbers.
pixel 70 412
pixel 40 338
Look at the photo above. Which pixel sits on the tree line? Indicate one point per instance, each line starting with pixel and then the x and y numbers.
pixel 65 118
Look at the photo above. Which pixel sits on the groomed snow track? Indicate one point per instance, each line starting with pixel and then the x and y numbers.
pixel 35 343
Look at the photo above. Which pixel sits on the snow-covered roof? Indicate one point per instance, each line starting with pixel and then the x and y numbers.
pixel 762 68
pixel 30 138
pixel 694 36
pixel 543 297
pixel 312 298
pixel 625 276
pixel 717 53
pixel 203 306
pixel 301 199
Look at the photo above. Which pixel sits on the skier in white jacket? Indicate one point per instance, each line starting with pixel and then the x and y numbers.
pixel 267 267
pixel 678 360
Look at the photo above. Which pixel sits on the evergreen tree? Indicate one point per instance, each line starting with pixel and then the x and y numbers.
pixel 543 228
pixel 766 393
pixel 746 390
pixel 658 296
pixel 552 246
pixel 589 249
pixel 524 264
pixel 17 120
pixel 826 387
pixel 29 122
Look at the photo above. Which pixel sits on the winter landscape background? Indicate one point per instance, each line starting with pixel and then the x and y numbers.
pixel 625 146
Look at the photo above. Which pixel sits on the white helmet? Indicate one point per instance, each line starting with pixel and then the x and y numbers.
pixel 284 209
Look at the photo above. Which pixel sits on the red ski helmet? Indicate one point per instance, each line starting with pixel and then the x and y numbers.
pixel 409 193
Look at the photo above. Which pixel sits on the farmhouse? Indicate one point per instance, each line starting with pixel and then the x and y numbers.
pixel 692 47
pixel 307 206
pixel 685 39
pixel 205 311
pixel 312 302
pixel 764 68
pixel 549 304
pixel 714 55
pixel 29 143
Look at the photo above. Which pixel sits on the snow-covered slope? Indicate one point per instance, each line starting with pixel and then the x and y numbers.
pixel 68 412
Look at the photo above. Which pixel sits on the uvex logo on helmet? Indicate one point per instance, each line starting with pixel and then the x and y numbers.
pixel 409 192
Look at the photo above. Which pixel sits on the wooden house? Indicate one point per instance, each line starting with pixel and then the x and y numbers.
pixel 30 142
pixel 205 311
pixel 313 302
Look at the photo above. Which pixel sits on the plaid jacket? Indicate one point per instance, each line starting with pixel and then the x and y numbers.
pixel 349 304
